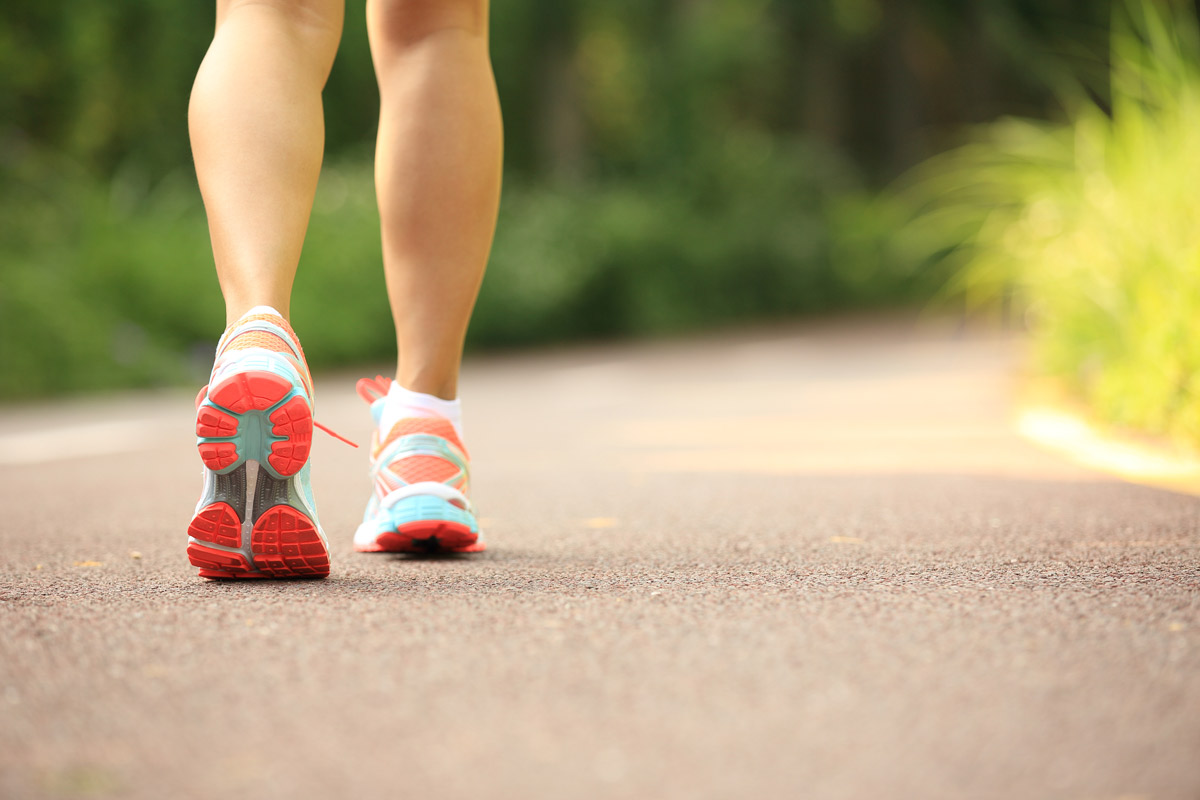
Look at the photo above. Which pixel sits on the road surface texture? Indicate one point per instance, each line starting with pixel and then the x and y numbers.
pixel 803 563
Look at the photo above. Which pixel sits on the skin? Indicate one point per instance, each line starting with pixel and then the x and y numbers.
pixel 257 131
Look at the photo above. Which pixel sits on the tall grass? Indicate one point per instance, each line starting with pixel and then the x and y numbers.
pixel 1093 226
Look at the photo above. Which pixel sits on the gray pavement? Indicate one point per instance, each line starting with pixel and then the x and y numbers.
pixel 812 562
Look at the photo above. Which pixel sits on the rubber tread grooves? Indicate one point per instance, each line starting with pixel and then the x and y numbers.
pixel 250 391
pixel 430 536
pixel 221 415
pixel 286 545
pixel 217 523
pixel 293 423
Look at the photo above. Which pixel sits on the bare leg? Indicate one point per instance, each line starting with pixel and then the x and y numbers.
pixel 437 173
pixel 258 132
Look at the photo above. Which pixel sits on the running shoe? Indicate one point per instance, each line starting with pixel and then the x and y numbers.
pixel 421 474
pixel 256 517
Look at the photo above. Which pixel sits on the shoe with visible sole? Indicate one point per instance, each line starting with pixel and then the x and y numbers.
pixel 421 473
pixel 256 517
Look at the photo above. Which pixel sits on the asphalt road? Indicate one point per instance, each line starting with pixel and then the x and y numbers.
pixel 806 563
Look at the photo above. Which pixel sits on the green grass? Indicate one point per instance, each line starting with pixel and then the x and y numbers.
pixel 1093 227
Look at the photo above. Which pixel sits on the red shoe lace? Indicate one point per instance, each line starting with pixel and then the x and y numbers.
pixel 335 434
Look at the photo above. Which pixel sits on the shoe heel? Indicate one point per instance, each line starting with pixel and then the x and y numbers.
pixel 285 541
pixel 430 524
pixel 256 415
pixel 286 544
pixel 215 536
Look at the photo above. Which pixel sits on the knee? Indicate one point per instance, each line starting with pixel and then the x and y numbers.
pixel 402 23
pixel 317 22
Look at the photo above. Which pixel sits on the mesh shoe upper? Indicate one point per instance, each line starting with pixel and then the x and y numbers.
pixel 416 451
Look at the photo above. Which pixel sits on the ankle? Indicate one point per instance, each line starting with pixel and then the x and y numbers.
pixel 236 310
pixel 437 383
pixel 402 403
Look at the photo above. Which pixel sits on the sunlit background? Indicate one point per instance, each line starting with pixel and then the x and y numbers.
pixel 671 165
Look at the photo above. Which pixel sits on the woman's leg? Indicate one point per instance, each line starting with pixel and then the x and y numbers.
pixel 437 173
pixel 258 132
pixel 257 135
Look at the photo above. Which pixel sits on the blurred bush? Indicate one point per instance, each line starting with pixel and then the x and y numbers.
pixel 1093 226
pixel 111 283
pixel 102 280
pixel 670 164
pixel 759 229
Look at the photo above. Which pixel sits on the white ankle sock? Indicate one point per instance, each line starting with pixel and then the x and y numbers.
pixel 263 310
pixel 401 403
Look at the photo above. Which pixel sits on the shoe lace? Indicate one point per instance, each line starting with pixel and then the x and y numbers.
pixel 335 434
pixel 372 389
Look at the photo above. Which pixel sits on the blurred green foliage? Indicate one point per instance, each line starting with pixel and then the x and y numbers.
pixel 670 164
pixel 1092 227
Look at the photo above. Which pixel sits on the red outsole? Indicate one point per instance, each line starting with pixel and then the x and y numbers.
pixel 250 391
pixel 218 455
pixel 211 560
pixel 293 421
pixel 213 422
pixel 218 524
pixel 284 544
pixel 255 391
pixel 428 536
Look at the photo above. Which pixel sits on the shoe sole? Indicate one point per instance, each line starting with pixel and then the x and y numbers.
pixel 254 434
pixel 426 536
pixel 248 414
pixel 424 524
